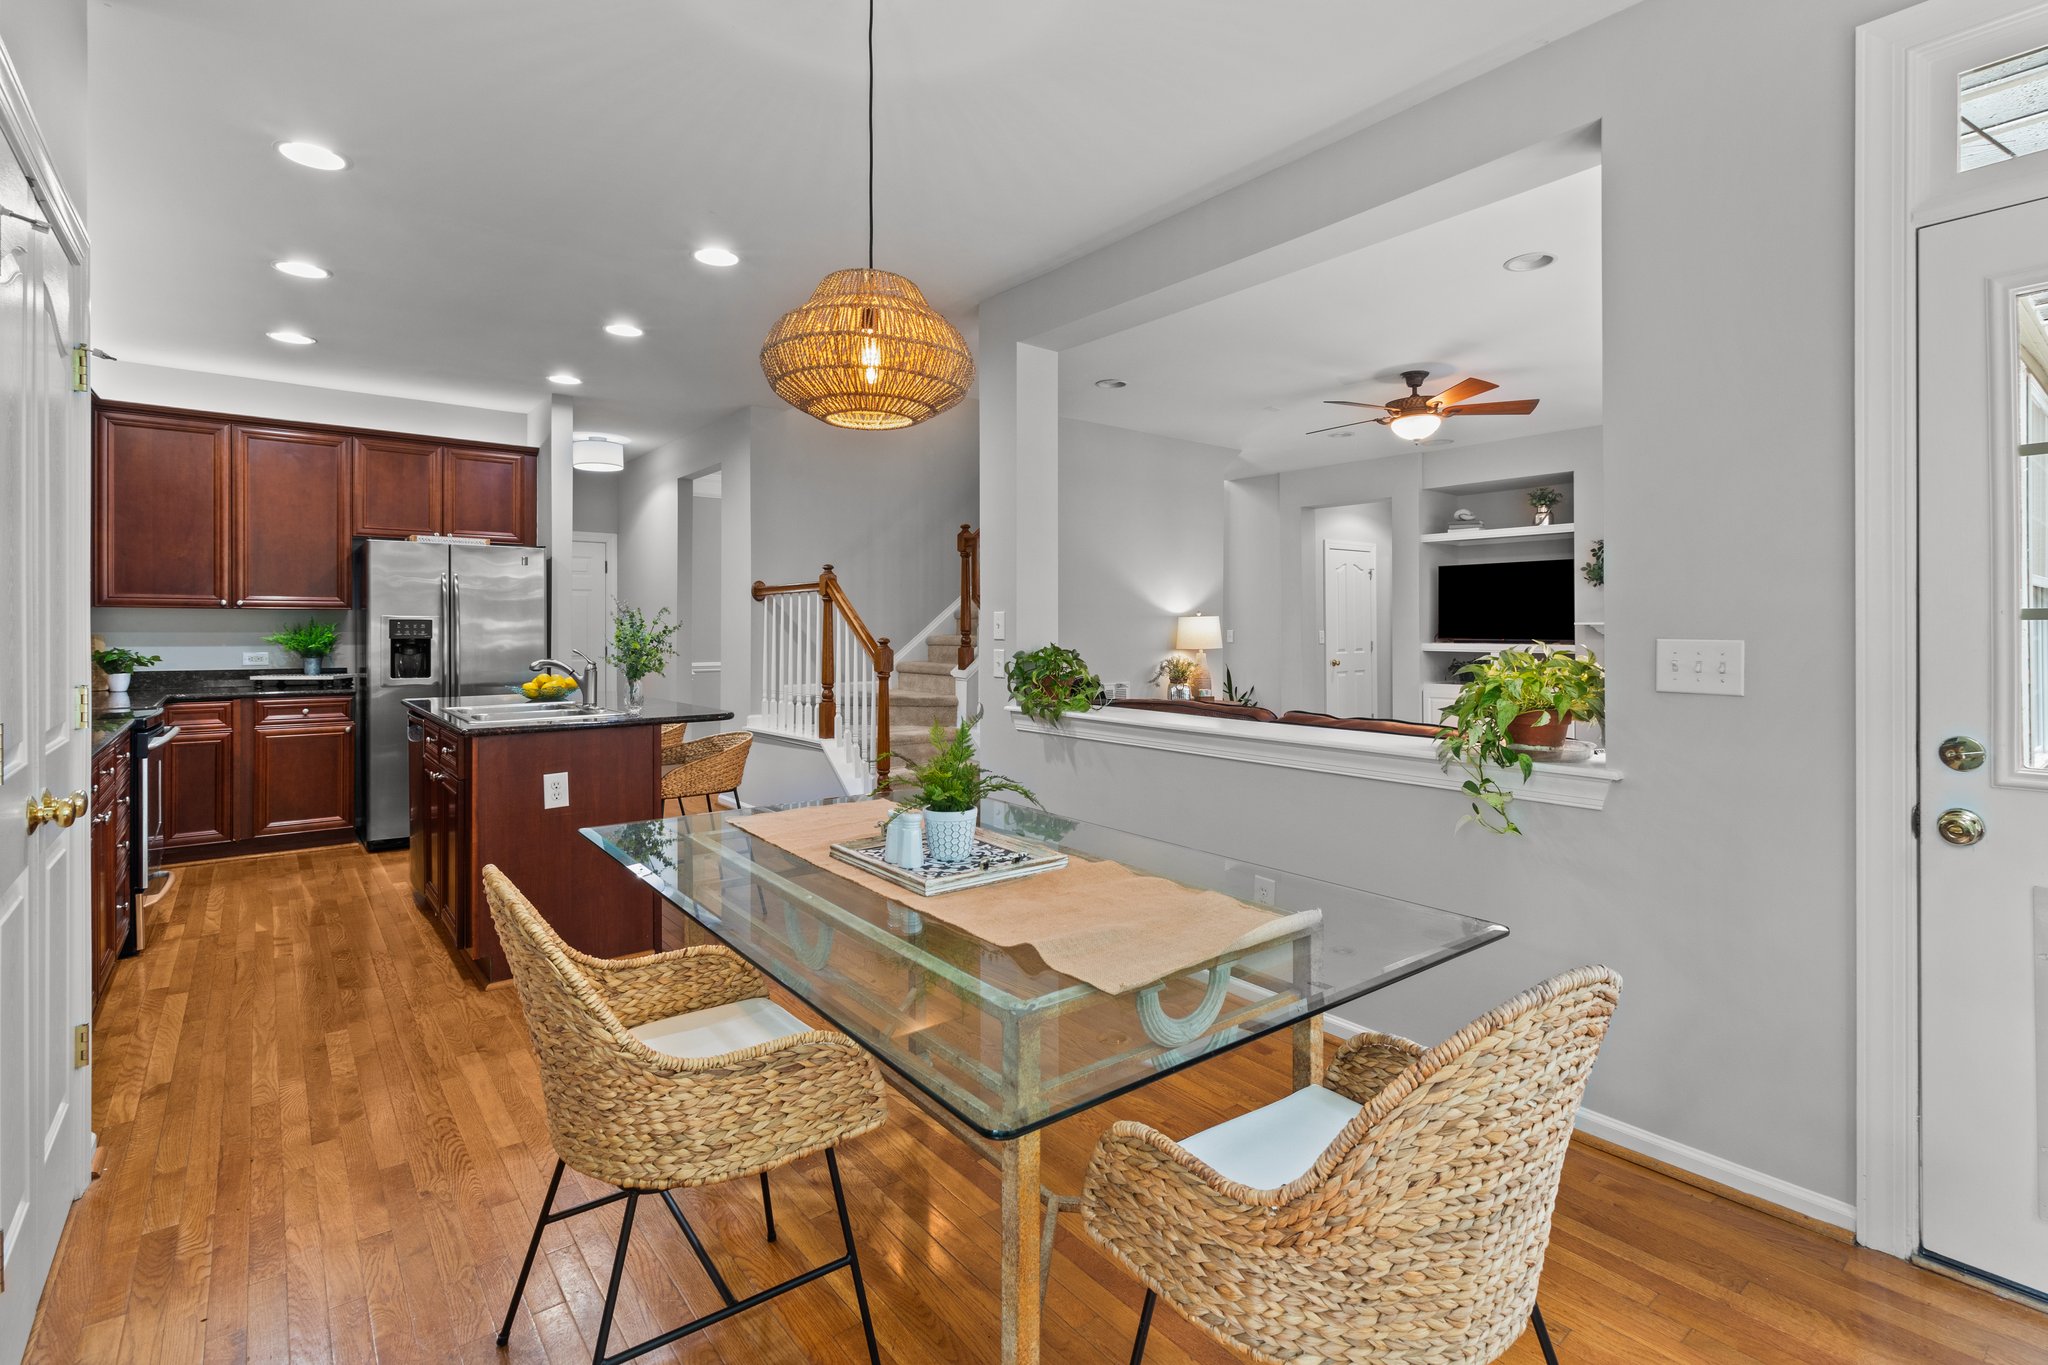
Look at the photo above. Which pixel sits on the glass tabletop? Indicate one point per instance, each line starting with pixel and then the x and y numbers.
pixel 992 1034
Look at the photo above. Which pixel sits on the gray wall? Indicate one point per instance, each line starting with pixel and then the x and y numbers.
pixel 46 41
pixel 596 499
pixel 706 578
pixel 131 382
pixel 1721 235
pixel 1143 539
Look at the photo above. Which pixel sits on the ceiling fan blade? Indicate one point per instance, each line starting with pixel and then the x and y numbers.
pixel 1347 403
pixel 1361 422
pixel 1520 407
pixel 1460 391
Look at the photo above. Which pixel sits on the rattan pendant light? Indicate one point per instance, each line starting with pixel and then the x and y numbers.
pixel 865 350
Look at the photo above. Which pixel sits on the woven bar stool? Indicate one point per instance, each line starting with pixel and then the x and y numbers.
pixel 709 767
pixel 1396 1213
pixel 674 1071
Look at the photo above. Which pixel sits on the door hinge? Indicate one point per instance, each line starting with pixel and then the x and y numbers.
pixel 1916 820
pixel 81 369
pixel 81 1046
pixel 84 707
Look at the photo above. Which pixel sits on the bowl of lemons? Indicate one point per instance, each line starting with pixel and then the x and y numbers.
pixel 547 687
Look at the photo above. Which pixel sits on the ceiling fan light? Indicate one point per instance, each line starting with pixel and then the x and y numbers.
pixel 1416 426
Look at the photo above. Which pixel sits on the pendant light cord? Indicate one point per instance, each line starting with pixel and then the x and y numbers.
pixel 871 134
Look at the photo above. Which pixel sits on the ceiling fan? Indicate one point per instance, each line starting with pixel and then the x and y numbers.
pixel 1416 417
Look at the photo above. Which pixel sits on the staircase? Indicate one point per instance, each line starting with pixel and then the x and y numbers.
pixel 926 691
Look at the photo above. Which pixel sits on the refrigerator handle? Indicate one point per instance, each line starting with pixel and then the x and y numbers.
pixel 447 645
pixel 455 640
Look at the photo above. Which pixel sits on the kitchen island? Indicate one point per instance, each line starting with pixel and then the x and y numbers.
pixel 496 780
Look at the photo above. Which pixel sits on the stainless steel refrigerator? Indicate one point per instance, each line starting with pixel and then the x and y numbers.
pixel 435 621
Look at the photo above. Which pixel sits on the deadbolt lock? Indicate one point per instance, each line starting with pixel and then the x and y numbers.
pixel 1960 826
pixel 1961 753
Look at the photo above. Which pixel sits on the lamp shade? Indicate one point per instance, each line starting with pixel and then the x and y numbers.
pixel 866 351
pixel 1198 632
pixel 595 455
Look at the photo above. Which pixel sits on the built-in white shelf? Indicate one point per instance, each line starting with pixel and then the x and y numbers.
pixel 1484 646
pixel 1561 531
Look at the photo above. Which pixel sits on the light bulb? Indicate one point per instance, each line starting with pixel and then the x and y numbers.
pixel 1416 426
pixel 871 361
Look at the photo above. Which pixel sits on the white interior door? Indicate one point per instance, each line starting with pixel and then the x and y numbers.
pixel 45 876
pixel 1983 487
pixel 592 591
pixel 1351 628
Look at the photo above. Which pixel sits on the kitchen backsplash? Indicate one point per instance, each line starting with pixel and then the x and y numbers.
pixel 209 637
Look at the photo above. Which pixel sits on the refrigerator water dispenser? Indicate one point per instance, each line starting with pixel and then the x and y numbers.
pixel 409 644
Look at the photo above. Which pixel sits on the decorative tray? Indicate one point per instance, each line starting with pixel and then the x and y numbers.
pixel 996 858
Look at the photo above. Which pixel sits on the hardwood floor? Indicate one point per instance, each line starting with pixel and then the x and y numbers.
pixel 321 1143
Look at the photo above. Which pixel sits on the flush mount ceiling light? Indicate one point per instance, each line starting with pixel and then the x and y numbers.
pixel 313 155
pixel 563 378
pixel 290 338
pixel 304 270
pixel 866 351
pixel 1527 261
pixel 1109 384
pixel 623 329
pixel 715 255
pixel 595 453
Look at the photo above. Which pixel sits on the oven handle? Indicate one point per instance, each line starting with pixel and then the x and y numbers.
pixel 162 737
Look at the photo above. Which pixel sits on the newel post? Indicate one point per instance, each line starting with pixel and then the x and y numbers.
pixel 828 709
pixel 968 543
pixel 885 665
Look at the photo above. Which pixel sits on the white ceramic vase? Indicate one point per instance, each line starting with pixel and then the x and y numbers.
pixel 949 835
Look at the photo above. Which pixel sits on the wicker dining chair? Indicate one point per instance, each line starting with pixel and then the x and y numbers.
pixel 674 1071
pixel 710 767
pixel 1396 1213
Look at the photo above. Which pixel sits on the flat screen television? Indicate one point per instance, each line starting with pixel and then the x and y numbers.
pixel 1505 603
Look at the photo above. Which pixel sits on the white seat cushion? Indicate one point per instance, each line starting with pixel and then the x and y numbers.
pixel 720 1029
pixel 1270 1147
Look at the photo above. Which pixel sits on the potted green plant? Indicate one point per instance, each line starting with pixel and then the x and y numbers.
pixel 1050 681
pixel 949 789
pixel 312 642
pixel 641 646
pixel 1595 567
pixel 1543 499
pixel 1248 697
pixel 120 664
pixel 1178 672
pixel 1514 704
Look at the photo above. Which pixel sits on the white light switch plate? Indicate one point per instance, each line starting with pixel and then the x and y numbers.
pixel 1710 666
pixel 996 628
pixel 1002 668
pixel 554 791
pixel 255 658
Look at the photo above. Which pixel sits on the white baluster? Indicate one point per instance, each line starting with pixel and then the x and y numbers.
pixel 767 683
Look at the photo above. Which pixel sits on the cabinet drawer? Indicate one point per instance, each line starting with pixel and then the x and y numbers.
pixel 201 715
pixel 304 710
pixel 444 751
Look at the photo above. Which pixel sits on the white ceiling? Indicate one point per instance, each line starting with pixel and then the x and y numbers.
pixel 524 171
pixel 1250 371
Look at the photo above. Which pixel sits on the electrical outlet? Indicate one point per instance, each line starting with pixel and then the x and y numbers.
pixel 1262 889
pixel 255 658
pixel 1710 666
pixel 554 791
pixel 996 629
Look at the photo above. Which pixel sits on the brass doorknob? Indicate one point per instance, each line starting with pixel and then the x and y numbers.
pixel 41 810
pixel 1960 826
pixel 1333 663
pixel 65 810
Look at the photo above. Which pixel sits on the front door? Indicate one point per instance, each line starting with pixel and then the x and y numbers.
pixel 1983 490
pixel 1351 628
pixel 45 875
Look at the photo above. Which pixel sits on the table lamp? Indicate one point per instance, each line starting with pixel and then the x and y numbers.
pixel 1199 634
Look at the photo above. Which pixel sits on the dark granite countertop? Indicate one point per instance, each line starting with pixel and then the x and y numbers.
pixel 156 688
pixel 655 712
pixel 108 727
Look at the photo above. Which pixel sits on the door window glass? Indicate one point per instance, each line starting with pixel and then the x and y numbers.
pixel 2032 489
pixel 2002 110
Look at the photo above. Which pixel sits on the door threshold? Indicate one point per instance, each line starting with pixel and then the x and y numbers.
pixel 1992 1284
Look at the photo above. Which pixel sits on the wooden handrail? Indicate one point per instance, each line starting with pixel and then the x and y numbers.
pixel 832 598
pixel 968 542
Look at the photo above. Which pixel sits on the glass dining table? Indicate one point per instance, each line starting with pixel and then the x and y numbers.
pixel 991 1041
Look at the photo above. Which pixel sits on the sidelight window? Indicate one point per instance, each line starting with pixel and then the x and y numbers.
pixel 2002 110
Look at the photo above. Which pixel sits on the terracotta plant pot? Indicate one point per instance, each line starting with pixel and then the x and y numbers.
pixel 1528 729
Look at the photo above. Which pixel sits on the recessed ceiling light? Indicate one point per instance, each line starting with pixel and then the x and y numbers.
pixel 304 270
pixel 716 255
pixel 1109 383
pixel 623 329
pixel 312 154
pixel 291 338
pixel 563 378
pixel 1528 260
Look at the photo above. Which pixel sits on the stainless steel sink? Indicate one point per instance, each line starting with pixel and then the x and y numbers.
pixel 523 713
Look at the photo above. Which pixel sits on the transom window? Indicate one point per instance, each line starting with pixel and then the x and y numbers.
pixel 2002 110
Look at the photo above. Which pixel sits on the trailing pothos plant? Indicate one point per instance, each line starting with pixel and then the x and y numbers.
pixel 1543 683
pixel 951 780
pixel 1048 682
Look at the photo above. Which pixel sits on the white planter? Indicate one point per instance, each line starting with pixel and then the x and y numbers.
pixel 949 835
pixel 118 682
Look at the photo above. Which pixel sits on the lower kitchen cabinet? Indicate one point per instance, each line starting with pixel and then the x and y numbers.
pixel 255 774
pixel 113 899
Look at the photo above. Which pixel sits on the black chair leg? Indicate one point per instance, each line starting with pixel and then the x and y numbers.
pixel 526 1267
pixel 860 1288
pixel 768 1205
pixel 703 1256
pixel 1542 1334
pixel 1144 1327
pixel 611 1294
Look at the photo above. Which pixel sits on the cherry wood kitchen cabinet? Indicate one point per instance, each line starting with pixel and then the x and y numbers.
pixel 292 519
pixel 160 509
pixel 488 493
pixel 302 757
pixel 199 776
pixel 397 488
pixel 113 900
pixel 257 773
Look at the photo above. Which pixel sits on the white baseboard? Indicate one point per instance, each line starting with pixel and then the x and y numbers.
pixel 1783 1193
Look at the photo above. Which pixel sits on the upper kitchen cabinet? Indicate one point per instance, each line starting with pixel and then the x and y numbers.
pixel 398 488
pixel 291 522
pixel 160 510
pixel 488 493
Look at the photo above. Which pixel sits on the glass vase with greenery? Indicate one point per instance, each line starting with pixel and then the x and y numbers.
pixel 1513 703
pixel 120 664
pixel 1543 499
pixel 1050 681
pixel 641 646
pixel 312 641
pixel 1179 671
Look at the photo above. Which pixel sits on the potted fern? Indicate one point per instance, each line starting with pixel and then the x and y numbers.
pixel 312 642
pixel 949 789
pixel 1515 705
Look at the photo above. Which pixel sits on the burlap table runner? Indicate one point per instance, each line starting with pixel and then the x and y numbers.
pixel 1099 921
